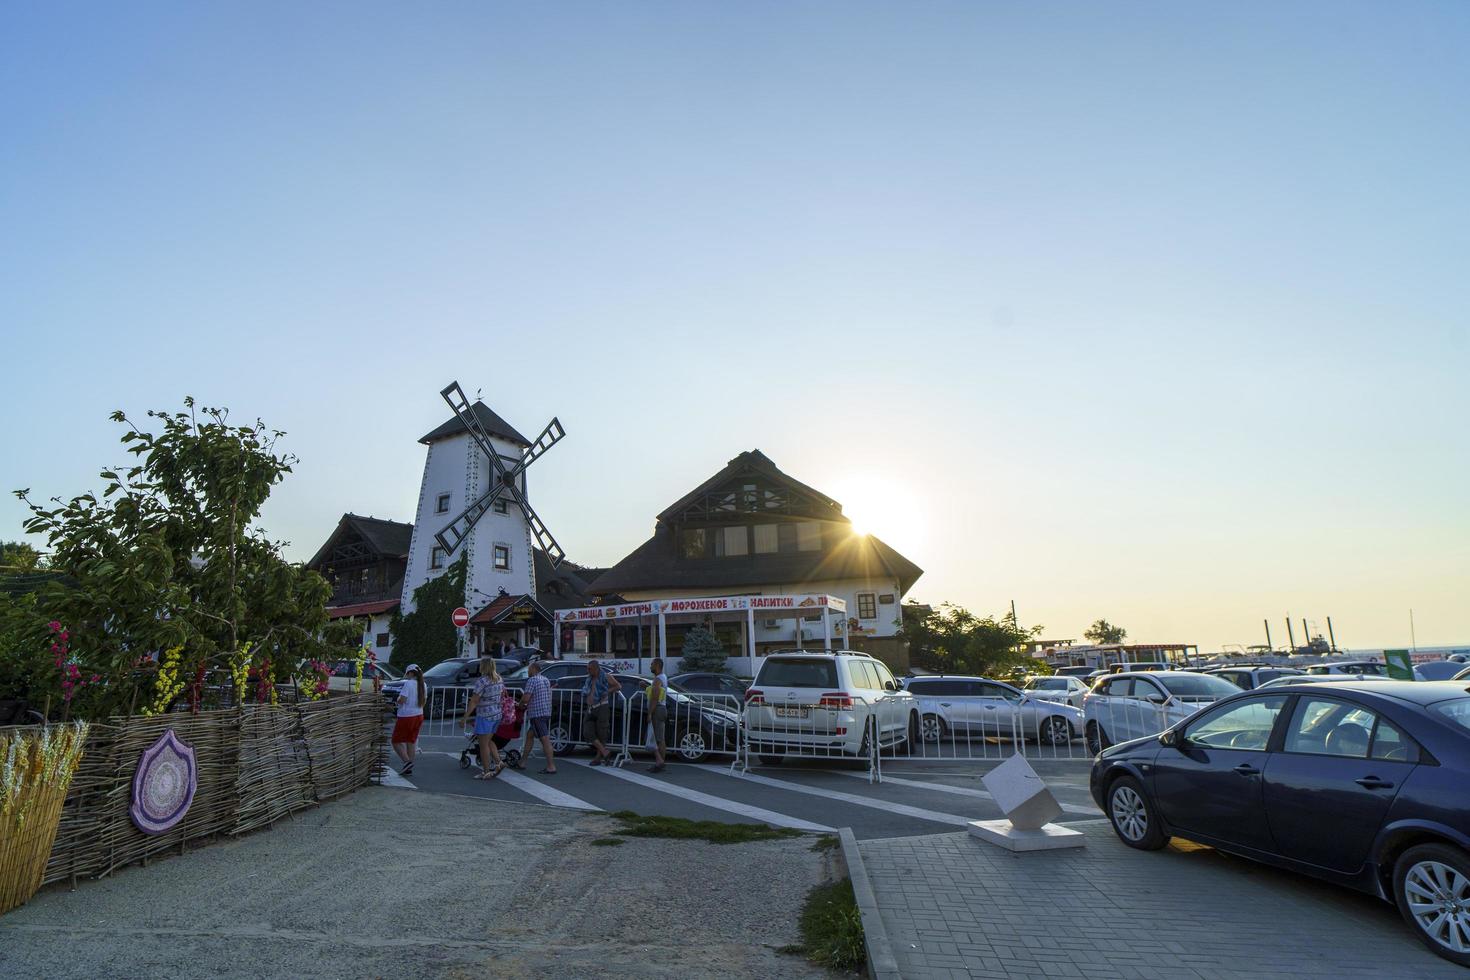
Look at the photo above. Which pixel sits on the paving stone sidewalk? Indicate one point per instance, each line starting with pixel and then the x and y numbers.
pixel 956 907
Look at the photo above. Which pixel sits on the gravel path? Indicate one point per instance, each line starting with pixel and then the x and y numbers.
pixel 394 883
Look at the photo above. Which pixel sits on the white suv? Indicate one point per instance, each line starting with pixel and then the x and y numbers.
pixel 1123 707
pixel 826 704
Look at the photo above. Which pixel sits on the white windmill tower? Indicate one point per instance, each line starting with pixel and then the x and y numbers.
pixel 473 497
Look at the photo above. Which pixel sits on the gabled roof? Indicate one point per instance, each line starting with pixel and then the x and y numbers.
pixel 387 538
pixel 655 565
pixel 489 421
pixel 502 606
pixel 753 462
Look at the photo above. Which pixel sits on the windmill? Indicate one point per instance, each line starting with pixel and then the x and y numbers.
pixel 504 484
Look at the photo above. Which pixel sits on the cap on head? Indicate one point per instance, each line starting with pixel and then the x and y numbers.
pixel 411 669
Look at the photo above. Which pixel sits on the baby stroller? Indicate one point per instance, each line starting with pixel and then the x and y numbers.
pixel 511 716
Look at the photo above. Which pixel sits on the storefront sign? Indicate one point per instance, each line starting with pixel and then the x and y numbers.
pixel 703 604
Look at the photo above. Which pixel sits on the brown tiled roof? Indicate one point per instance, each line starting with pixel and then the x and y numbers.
pixel 655 565
pixel 362 609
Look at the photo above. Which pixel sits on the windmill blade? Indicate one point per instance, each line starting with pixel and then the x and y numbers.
pixel 454 533
pixel 454 395
pixel 457 530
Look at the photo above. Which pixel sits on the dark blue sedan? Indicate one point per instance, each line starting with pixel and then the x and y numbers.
pixel 1366 785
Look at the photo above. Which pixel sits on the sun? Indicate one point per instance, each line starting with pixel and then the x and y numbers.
pixel 879 506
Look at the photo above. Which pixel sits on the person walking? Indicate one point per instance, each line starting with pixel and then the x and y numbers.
pixel 485 708
pixel 658 711
pixel 597 694
pixel 537 699
pixel 410 718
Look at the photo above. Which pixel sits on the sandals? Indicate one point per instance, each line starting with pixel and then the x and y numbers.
pixel 548 772
pixel 407 770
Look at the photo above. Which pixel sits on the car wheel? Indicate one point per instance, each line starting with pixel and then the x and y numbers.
pixel 1133 816
pixel 561 738
pixel 691 746
pixel 1097 739
pixel 933 728
pixel 1056 730
pixel 1431 883
pixel 771 760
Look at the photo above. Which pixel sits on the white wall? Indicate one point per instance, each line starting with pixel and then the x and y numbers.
pixel 456 466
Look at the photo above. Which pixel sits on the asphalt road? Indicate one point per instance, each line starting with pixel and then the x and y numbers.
pixel 914 798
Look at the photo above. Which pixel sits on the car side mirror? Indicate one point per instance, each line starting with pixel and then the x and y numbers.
pixel 1171 738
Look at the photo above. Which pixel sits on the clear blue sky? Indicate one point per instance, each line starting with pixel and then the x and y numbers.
pixel 1153 311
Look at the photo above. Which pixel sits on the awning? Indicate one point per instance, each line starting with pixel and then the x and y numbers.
pixel 362 609
pixel 516 610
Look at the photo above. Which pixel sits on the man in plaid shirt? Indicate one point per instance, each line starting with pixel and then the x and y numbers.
pixel 537 699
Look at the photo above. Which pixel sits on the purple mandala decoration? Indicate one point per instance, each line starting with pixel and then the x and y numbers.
pixel 164 785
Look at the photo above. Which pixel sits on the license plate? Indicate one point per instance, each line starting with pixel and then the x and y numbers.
pixel 795 711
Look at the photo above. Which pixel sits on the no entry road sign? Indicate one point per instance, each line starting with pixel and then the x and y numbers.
pixel 461 616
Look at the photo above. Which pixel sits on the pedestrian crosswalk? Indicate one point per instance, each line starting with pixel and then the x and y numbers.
pixel 804 798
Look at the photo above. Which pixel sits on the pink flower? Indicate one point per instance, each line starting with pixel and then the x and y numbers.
pixel 96 678
pixel 65 635
pixel 53 626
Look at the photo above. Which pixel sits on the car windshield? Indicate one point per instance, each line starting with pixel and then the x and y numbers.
pixel 447 669
pixel 1456 710
pixel 792 672
pixel 1198 686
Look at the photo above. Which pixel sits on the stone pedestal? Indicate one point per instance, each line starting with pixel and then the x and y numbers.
pixel 1049 837
pixel 1029 808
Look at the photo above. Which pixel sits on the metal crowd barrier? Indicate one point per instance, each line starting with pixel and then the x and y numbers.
pixel 696 730
pixel 833 728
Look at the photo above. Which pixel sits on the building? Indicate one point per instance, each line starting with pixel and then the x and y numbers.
pixel 752 529
pixel 364 560
pixel 512 590
pixel 456 474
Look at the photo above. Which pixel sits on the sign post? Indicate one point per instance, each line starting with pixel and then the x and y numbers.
pixel 460 618
pixel 1400 666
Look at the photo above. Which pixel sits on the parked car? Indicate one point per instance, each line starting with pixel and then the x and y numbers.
pixel 1437 670
pixel 522 655
pixel 1252 677
pixel 1057 688
pixel 446 684
pixel 1079 671
pixel 693 730
pixel 1122 668
pixel 1322 679
pixel 716 687
pixel 1350 667
pixel 552 670
pixel 1128 706
pixel 814 703
pixel 980 706
pixel 1359 784
pixel 1463 675
pixel 344 675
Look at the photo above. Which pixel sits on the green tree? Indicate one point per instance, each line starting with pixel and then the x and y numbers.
pixel 19 555
pixel 702 651
pixel 1103 632
pixel 953 640
pixel 168 557
pixel 428 634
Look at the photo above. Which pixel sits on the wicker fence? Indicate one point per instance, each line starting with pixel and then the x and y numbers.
pixel 255 765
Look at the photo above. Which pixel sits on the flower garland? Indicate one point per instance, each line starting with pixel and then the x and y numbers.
pixel 72 680
pixel 313 679
pixel 240 671
pixel 358 663
pixel 168 684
